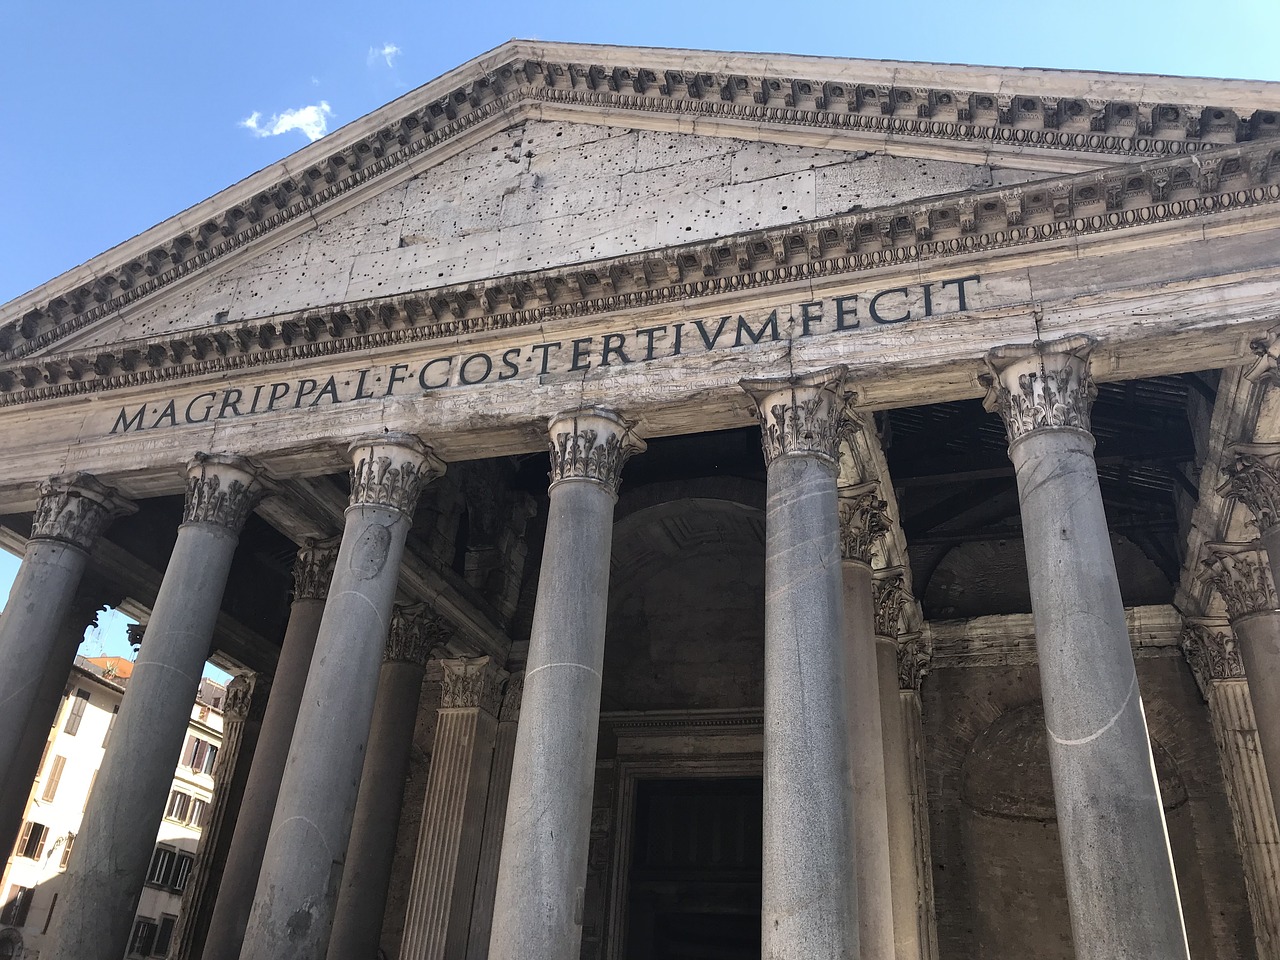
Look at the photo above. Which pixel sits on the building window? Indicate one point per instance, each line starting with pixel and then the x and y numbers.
pixel 160 873
pixel 164 937
pixel 51 779
pixel 143 940
pixel 31 844
pixel 111 724
pixel 78 704
pixel 181 872
pixel 179 806
pixel 198 808
pixel 66 851
pixel 16 905
pixel 199 755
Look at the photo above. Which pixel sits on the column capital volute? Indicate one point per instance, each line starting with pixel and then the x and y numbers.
pixel 417 631
pixel 75 509
pixel 472 682
pixel 888 596
pixel 1211 651
pixel 1241 573
pixel 803 416
pixel 1266 369
pixel 222 490
pixel 1253 478
pixel 592 444
pixel 864 521
pixel 915 659
pixel 1041 385
pixel 390 470
pixel 313 568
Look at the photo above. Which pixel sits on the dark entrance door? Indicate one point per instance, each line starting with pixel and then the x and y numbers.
pixel 694 890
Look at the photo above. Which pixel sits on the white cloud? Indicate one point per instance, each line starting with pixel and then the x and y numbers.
pixel 387 53
pixel 311 121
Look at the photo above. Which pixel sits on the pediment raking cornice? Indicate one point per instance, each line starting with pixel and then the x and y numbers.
pixel 1117 199
pixel 1108 117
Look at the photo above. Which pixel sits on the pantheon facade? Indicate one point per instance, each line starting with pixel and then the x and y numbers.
pixel 668 504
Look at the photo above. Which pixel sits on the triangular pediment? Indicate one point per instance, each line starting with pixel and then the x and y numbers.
pixel 539 155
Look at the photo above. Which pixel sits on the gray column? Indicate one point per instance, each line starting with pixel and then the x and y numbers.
pixel 70 515
pixel 113 848
pixel 1214 656
pixel 1242 575
pixel 862 524
pixel 495 813
pixel 357 919
pixel 444 869
pixel 302 866
pixel 542 873
pixel 241 726
pixel 810 896
pixel 1253 478
pixel 312 571
pixel 1121 889
pixel 914 656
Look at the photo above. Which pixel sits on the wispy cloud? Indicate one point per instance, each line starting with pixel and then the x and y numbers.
pixel 387 53
pixel 311 121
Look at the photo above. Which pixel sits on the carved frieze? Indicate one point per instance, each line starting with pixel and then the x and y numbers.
pixel 475 682
pixel 390 470
pixel 915 657
pixel 1211 652
pixel 1040 385
pixel 313 568
pixel 1253 478
pixel 863 522
pixel 801 417
pixel 76 509
pixel 1241 574
pixel 417 632
pixel 592 444
pixel 222 490
pixel 889 595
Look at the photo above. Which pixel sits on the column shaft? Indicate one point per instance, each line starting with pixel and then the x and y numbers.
pixel 1121 890
pixel 357 918
pixel 444 873
pixel 902 827
pixel 809 906
pixel 313 569
pixel 113 848
pixel 1258 635
pixel 542 873
pixel 302 866
pixel 927 937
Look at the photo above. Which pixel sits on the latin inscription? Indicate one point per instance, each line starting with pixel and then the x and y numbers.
pixel 540 359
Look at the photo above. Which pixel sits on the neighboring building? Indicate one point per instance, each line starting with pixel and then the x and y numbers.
pixel 31 881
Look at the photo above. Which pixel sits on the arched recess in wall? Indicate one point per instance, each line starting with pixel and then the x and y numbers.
pixel 1012 856
pixel 685 626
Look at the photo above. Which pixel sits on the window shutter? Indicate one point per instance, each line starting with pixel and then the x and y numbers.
pixel 52 778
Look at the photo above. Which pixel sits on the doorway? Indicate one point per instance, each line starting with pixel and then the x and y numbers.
pixel 694 878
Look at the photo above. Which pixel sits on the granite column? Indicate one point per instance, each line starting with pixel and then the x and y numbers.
pixel 357 919
pixel 113 848
pixel 1121 889
pixel 302 866
pixel 862 524
pixel 542 871
pixel 809 904
pixel 312 571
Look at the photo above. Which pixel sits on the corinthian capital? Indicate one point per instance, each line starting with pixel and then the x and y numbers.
pixel 592 444
pixel 1211 652
pixel 390 469
pixel 76 509
pixel 888 594
pixel 1040 385
pixel 801 416
pixel 1241 573
pixel 1266 369
pixel 915 656
pixel 1253 478
pixel 475 682
pixel 863 522
pixel 416 632
pixel 222 490
pixel 313 568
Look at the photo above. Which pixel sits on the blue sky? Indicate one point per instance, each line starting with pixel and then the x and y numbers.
pixel 117 116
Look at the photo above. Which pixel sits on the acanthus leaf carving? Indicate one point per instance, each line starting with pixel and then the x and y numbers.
pixel 390 470
pixel 1041 385
pixel 863 523
pixel 76 509
pixel 1253 478
pixel 1241 574
pixel 511 699
pixel 417 632
pixel 915 658
pixel 474 682
pixel 592 444
pixel 888 596
pixel 222 490
pixel 313 568
pixel 802 416
pixel 1211 651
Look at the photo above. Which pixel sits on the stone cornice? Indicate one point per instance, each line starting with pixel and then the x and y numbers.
pixel 963 224
pixel 1019 110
